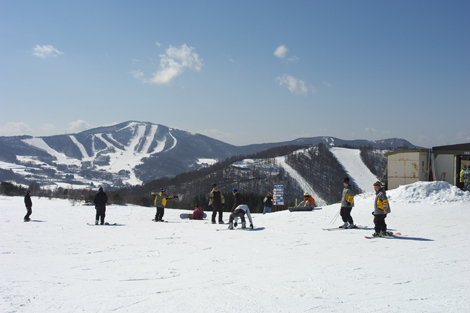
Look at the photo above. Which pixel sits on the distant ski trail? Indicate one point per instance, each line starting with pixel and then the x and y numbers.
pixel 300 180
pixel 352 163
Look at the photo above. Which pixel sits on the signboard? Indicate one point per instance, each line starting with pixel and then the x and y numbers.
pixel 278 194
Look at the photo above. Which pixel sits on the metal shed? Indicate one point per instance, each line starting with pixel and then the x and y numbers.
pixel 441 163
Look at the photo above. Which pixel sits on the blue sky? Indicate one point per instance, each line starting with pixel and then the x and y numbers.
pixel 240 71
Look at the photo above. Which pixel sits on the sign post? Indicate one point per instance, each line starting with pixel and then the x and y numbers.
pixel 278 195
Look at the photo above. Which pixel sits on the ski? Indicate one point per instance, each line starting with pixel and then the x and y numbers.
pixel 390 235
pixel 337 228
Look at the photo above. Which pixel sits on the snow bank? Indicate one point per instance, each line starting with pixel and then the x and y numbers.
pixel 428 192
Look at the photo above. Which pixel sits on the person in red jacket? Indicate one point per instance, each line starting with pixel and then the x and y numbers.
pixel 198 214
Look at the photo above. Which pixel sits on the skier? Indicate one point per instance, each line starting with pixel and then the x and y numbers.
pixel 268 203
pixel 466 178
pixel 100 205
pixel 308 201
pixel 217 202
pixel 347 203
pixel 160 203
pixel 198 214
pixel 238 211
pixel 29 205
pixel 381 209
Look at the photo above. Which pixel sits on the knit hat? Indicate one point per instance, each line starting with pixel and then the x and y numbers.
pixel 346 180
pixel 377 183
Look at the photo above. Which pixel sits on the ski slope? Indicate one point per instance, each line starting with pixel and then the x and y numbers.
pixel 300 180
pixel 289 264
pixel 357 171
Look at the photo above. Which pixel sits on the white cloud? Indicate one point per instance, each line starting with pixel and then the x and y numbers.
pixel 15 129
pixel 158 44
pixel 293 84
pixel 46 51
pixel 78 126
pixel 172 64
pixel 281 51
pixel 293 59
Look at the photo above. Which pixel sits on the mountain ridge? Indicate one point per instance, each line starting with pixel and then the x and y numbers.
pixel 131 153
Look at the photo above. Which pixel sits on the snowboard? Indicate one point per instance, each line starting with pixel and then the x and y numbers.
pixel 337 228
pixel 239 228
pixel 105 224
pixel 301 209
pixel 389 236
pixel 187 215
pixel 153 220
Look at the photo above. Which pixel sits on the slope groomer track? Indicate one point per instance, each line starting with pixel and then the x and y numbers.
pixel 358 172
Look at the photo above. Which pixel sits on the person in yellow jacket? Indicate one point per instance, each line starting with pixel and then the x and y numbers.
pixel 381 209
pixel 160 203
pixel 347 203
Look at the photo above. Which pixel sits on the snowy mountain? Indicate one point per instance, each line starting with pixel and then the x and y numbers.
pixel 288 264
pixel 129 153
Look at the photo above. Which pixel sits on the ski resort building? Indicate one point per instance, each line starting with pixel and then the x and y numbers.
pixel 437 164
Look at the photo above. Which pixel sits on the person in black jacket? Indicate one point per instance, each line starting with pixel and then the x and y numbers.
pixel 100 205
pixel 29 206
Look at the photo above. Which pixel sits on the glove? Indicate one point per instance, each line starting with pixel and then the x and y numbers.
pixel 235 224
pixel 251 226
pixel 373 213
pixel 176 197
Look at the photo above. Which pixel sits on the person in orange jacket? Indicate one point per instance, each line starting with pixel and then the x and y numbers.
pixel 308 200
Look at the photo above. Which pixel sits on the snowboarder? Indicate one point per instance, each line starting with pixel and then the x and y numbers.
pixel 160 203
pixel 100 205
pixel 29 206
pixel 308 201
pixel 240 212
pixel 381 209
pixel 217 202
pixel 198 214
pixel 347 203
pixel 466 178
pixel 268 203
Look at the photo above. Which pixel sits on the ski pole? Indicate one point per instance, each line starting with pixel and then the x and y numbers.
pixel 336 216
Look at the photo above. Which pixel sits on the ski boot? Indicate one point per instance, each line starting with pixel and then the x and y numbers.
pixel 96 222
pixel 345 225
pixel 221 222
pixel 375 235
pixel 352 226
pixel 230 226
pixel 243 225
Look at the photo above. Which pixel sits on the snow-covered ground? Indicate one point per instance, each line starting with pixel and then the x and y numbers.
pixel 289 264
pixel 352 163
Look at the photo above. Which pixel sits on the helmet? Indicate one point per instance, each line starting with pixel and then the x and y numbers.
pixel 214 185
pixel 162 190
pixel 306 194
pixel 234 190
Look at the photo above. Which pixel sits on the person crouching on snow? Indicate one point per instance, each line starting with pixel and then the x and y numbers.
pixel 381 209
pixel 238 211
pixel 308 201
